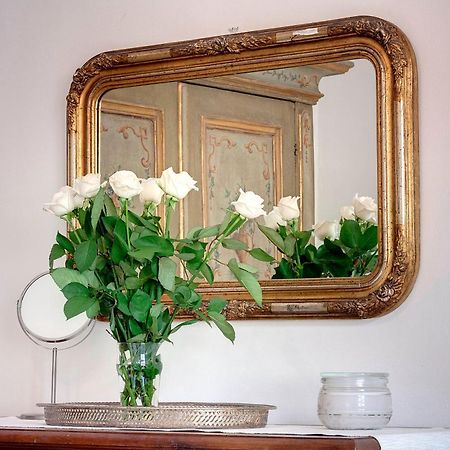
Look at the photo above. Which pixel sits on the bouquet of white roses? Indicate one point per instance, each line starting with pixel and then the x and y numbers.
pixel 122 265
pixel 349 246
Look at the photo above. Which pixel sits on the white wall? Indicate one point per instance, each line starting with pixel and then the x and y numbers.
pixel 42 42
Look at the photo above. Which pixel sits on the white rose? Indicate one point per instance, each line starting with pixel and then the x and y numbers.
pixel 365 208
pixel 327 229
pixel 347 212
pixel 249 205
pixel 177 185
pixel 88 185
pixel 64 202
pixel 151 192
pixel 274 219
pixel 288 208
pixel 125 183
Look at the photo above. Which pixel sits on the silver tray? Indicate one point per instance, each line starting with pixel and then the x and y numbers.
pixel 166 415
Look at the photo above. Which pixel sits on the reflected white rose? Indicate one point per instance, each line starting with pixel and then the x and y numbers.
pixel 125 184
pixel 64 202
pixel 327 229
pixel 288 208
pixel 249 205
pixel 88 185
pixel 365 208
pixel 151 192
pixel 177 185
pixel 347 212
pixel 274 219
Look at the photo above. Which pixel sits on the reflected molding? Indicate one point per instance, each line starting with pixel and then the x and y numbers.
pixel 371 38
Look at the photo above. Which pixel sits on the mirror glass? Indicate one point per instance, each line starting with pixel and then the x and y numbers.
pixel 322 111
pixel 308 131
pixel 41 315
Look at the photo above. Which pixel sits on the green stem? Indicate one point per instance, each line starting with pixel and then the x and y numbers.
pixel 169 324
pixel 69 221
pixel 169 211
pixel 127 222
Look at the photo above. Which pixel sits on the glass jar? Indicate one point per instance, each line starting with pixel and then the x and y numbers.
pixel 354 400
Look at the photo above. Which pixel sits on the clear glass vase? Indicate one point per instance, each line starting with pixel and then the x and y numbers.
pixel 139 368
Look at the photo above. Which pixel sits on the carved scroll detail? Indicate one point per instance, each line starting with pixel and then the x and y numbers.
pixel 386 297
pixel 385 34
pixel 82 75
pixel 237 309
pixel 222 44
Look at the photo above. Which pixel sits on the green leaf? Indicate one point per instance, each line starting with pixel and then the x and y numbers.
pixel 122 304
pixel 192 232
pixel 186 256
pixel 334 260
pixel 217 304
pixel 247 267
pixel 94 310
pixel 182 295
pixel 85 255
pixel 55 253
pixel 111 209
pixel 285 271
pixel 234 244
pixel 166 273
pixel 75 290
pixel 143 253
pixel 140 305
pixel 97 207
pixel 289 245
pixel 247 280
pixel 91 278
pixel 110 223
pixel 273 236
pixel 183 324
pixel 207 272
pixel 133 283
pixel 222 324
pixel 350 234
pixel 64 242
pixel 77 305
pixel 369 239
pixel 261 255
pixel 78 235
pixel 127 269
pixel 207 232
pixel 135 328
pixel 120 247
pixel 157 309
pixel 63 276
pixel 303 238
pixel 160 245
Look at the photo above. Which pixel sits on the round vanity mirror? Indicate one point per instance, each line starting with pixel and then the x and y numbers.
pixel 40 310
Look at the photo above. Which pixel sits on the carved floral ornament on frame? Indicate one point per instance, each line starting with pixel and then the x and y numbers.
pixel 322 43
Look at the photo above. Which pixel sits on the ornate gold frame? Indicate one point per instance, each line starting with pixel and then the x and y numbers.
pixel 398 184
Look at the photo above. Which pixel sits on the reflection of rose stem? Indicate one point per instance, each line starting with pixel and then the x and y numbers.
pixel 367 262
pixel 170 206
pixel 126 218
pixel 216 242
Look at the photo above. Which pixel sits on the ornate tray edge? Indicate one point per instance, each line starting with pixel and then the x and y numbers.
pixel 173 415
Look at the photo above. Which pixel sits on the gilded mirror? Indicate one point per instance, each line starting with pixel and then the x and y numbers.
pixel 322 111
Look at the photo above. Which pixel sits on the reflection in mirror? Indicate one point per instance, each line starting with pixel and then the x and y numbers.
pixel 40 310
pixel 250 109
pixel 307 131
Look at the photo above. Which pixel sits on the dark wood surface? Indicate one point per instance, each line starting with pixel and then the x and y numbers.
pixel 58 439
